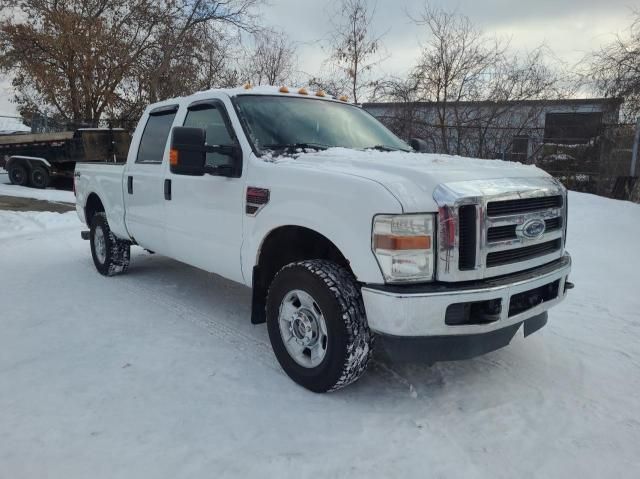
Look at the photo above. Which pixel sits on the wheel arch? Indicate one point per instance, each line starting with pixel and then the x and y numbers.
pixel 28 161
pixel 92 206
pixel 281 246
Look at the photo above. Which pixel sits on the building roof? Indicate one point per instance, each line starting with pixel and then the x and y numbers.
pixel 613 102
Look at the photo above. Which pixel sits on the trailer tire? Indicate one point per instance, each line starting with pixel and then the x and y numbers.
pixel 40 177
pixel 18 175
pixel 317 325
pixel 110 255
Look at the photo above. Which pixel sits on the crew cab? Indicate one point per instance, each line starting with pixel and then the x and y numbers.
pixel 343 231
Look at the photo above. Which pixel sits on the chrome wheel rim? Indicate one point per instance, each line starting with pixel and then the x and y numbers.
pixel 303 328
pixel 100 245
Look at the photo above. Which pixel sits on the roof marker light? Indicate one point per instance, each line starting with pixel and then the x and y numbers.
pixel 344 98
pixel 283 89
pixel 247 86
pixel 303 91
pixel 321 93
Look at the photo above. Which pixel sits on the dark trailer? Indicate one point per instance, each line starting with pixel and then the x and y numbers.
pixel 35 159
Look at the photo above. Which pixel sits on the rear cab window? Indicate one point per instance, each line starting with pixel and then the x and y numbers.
pixel 155 135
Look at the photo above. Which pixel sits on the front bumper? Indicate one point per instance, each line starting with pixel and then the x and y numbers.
pixel 420 311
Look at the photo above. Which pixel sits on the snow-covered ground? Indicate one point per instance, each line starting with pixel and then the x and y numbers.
pixel 158 373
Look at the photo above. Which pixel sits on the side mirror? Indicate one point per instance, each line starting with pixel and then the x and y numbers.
pixel 419 145
pixel 188 152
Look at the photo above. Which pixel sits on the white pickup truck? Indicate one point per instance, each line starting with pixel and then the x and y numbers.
pixel 344 232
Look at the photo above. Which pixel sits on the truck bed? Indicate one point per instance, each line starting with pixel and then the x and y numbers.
pixel 105 179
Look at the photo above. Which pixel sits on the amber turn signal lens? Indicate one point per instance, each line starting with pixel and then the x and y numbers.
pixel 173 157
pixel 303 91
pixel 402 242
pixel 283 89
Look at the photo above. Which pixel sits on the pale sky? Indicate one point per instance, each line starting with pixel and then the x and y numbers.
pixel 570 28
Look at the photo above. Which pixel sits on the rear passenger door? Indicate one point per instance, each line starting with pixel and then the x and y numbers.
pixel 144 182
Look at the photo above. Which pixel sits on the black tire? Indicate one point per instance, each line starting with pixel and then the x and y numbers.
pixel 116 253
pixel 18 175
pixel 40 177
pixel 349 340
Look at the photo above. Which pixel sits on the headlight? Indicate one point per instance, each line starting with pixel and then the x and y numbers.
pixel 403 245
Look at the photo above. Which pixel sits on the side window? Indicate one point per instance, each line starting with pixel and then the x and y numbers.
pixel 211 120
pixel 154 137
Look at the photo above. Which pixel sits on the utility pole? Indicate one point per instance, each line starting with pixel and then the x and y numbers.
pixel 636 146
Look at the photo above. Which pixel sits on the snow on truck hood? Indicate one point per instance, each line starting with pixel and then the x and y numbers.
pixel 410 177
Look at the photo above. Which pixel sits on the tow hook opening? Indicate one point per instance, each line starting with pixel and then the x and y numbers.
pixel 477 312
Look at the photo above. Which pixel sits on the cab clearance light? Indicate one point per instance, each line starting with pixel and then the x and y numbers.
pixel 321 93
pixel 303 91
pixel 398 243
pixel 283 89
pixel 247 86
pixel 344 98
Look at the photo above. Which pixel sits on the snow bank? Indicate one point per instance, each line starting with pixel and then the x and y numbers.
pixel 49 194
pixel 13 223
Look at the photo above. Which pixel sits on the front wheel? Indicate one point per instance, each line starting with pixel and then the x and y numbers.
pixel 317 325
pixel 110 254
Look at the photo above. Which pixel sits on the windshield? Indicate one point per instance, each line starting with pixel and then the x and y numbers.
pixel 278 122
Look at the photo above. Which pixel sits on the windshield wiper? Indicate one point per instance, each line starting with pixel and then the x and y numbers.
pixel 383 148
pixel 295 146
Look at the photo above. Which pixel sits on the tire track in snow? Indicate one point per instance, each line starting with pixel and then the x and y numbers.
pixel 260 351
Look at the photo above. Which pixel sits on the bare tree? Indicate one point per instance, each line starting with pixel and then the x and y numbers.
pixel 82 58
pixel 614 70
pixel 272 61
pixel 354 47
pixel 455 61
pixel 474 87
pixel 188 24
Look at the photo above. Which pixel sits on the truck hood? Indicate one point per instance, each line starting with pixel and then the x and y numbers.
pixel 410 177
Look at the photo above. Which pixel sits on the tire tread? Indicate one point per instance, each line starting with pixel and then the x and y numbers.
pixel 343 286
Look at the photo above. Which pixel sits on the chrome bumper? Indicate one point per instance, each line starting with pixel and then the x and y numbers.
pixel 422 313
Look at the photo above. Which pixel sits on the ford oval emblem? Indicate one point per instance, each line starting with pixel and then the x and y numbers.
pixel 532 229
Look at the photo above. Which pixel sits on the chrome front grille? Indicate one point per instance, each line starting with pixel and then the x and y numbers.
pixel 508 256
pixel 499 233
pixel 514 207
pixel 485 225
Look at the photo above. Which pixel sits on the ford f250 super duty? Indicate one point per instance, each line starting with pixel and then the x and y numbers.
pixel 343 231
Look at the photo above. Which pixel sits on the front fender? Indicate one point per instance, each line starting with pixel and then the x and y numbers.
pixel 340 207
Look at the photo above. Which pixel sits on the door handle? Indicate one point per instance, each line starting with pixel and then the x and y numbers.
pixel 167 189
pixel 130 185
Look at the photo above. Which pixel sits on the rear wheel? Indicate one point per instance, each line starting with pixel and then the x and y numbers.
pixel 40 177
pixel 18 175
pixel 110 254
pixel 317 325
